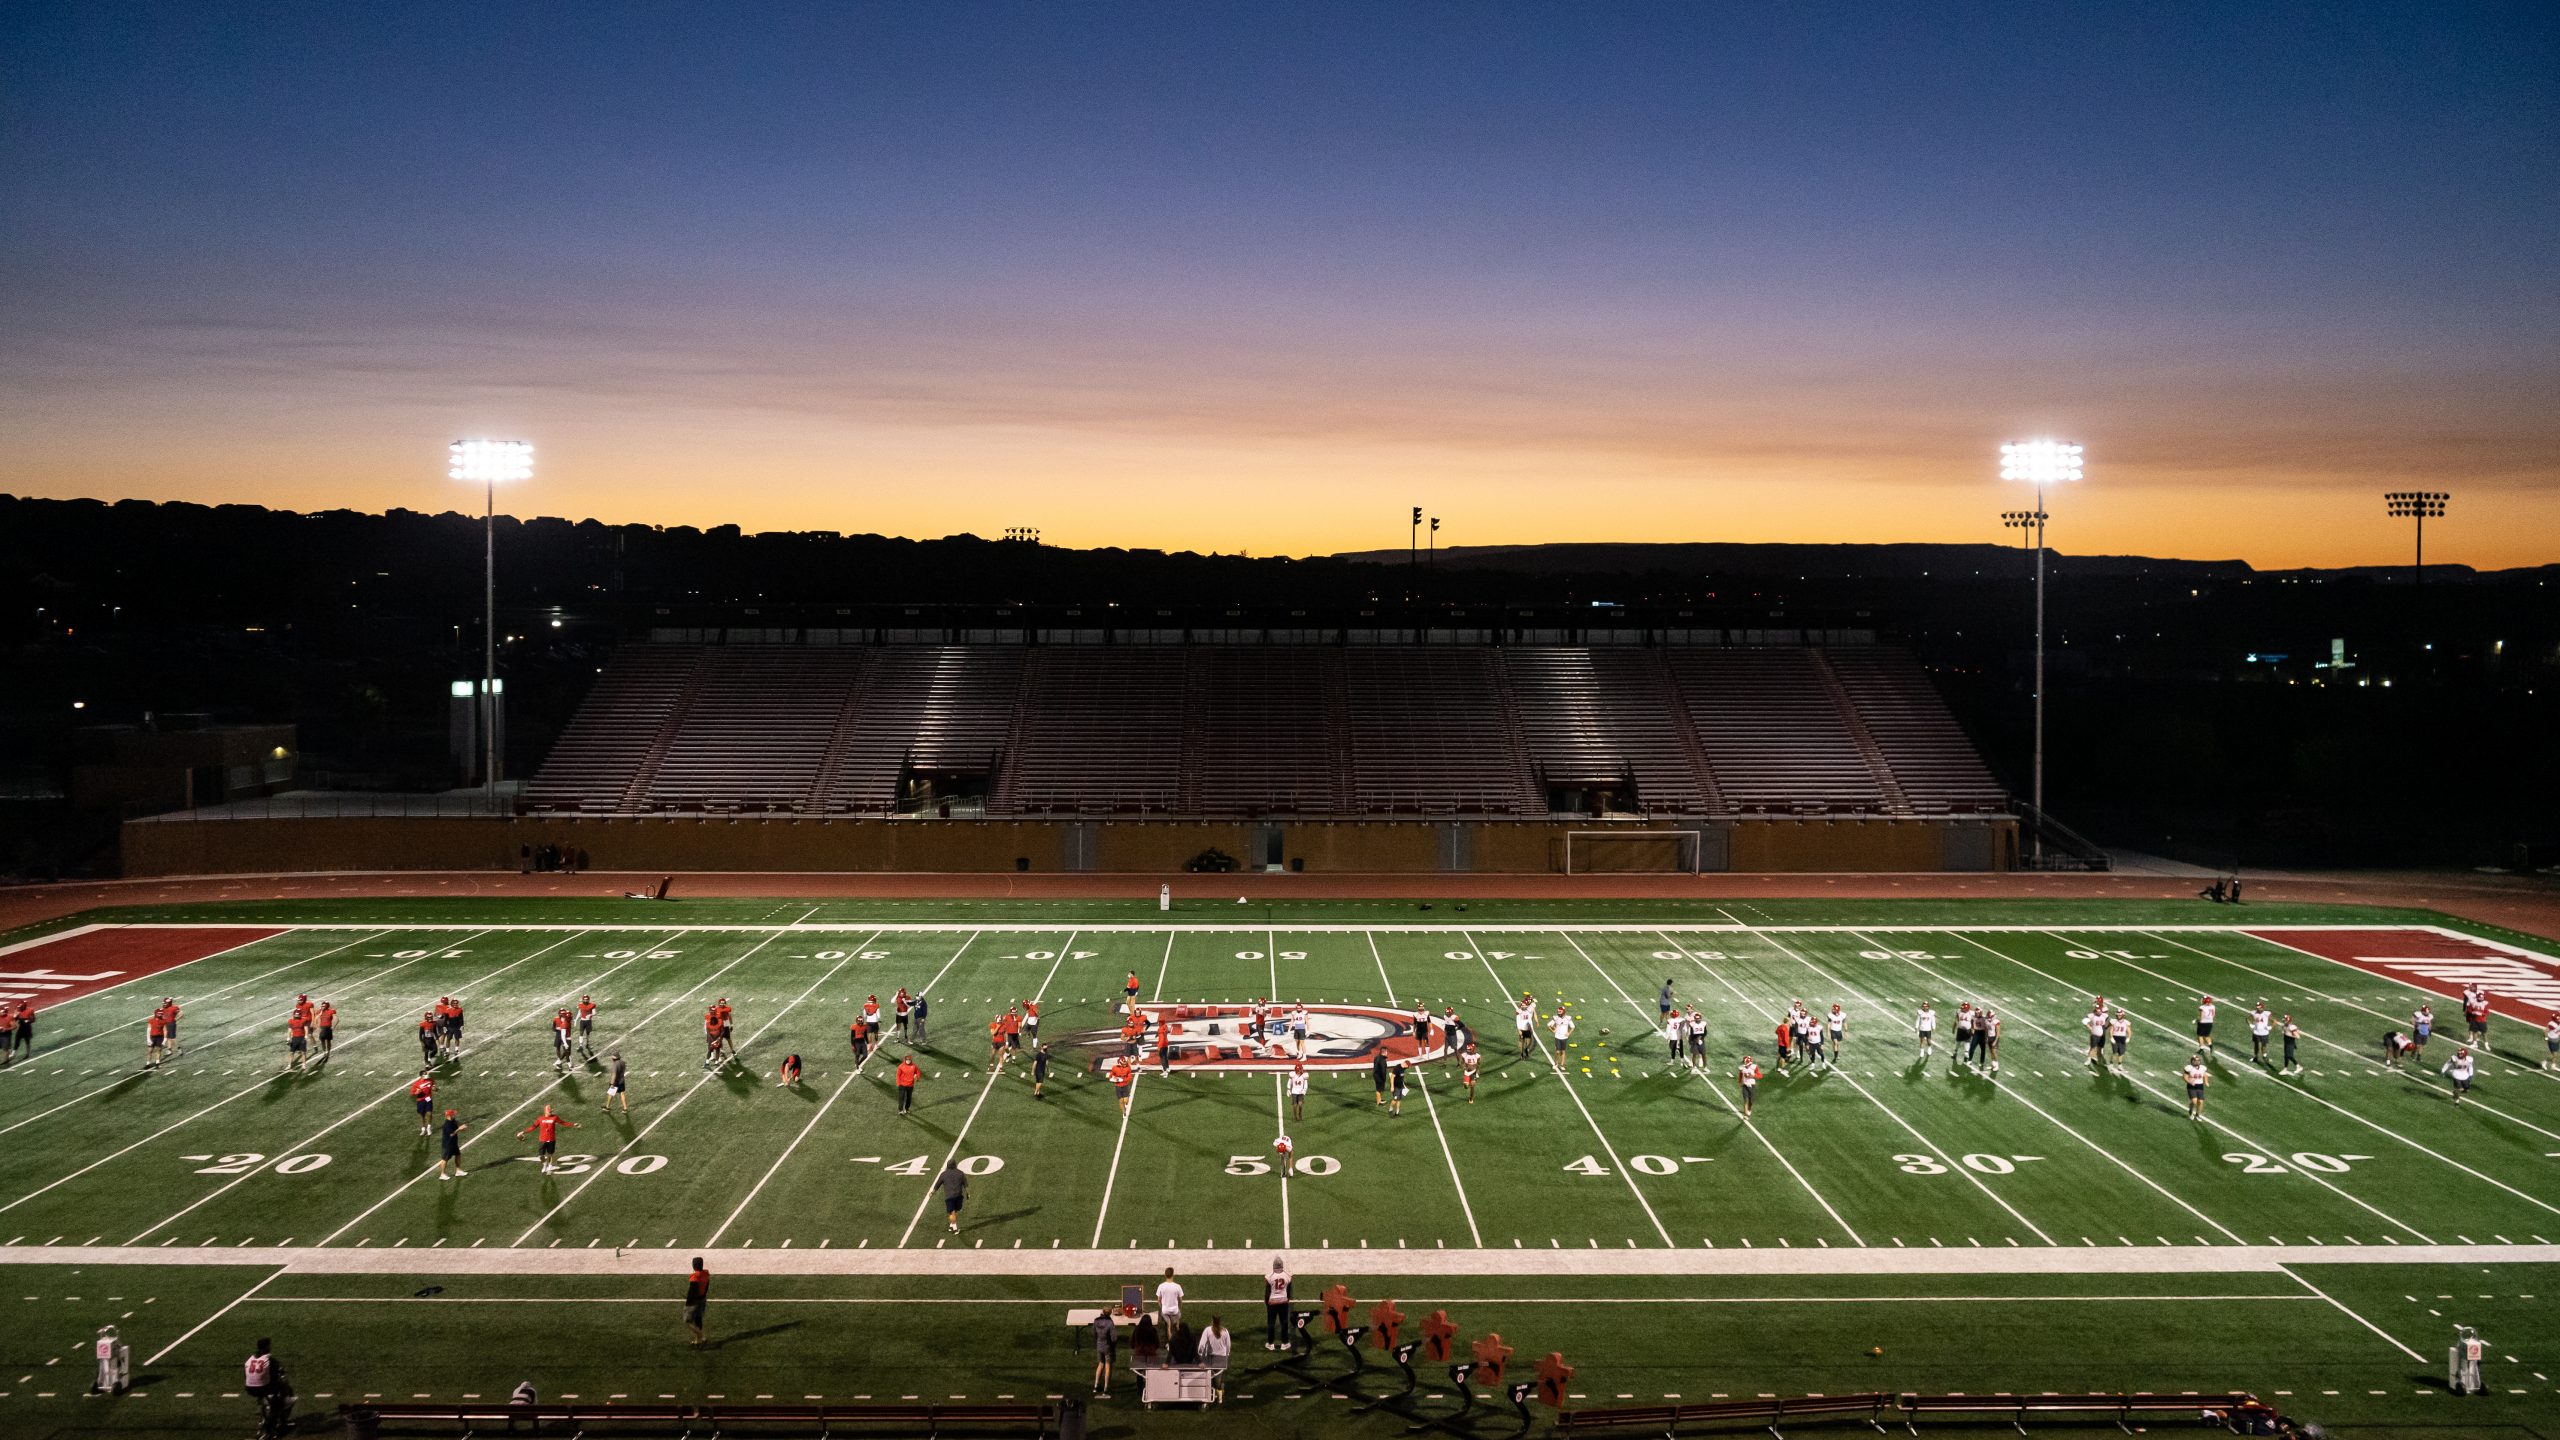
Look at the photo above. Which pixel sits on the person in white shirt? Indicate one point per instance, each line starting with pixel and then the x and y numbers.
pixel 2551 1043
pixel 1839 1031
pixel 2096 1020
pixel 2119 1030
pixel 1169 1299
pixel 1298 1091
pixel 1216 1344
pixel 1697 1037
pixel 1277 1327
pixel 1809 1035
pixel 2197 1078
pixel 1926 1025
pixel 1676 1031
pixel 1562 1028
pixel 2204 1023
pixel 2260 1026
pixel 1525 1016
pixel 1749 1078
pixel 2460 1068
pixel 1298 1026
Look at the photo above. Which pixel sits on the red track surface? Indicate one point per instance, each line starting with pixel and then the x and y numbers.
pixel 2524 986
pixel 67 967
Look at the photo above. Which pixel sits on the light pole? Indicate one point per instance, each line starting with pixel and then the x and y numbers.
pixel 490 461
pixel 2418 505
pixel 2039 463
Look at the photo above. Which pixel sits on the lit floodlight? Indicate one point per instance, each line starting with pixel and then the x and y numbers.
pixel 491 461
pixel 2416 504
pixel 2040 462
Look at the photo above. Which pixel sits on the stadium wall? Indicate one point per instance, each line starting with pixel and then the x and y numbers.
pixel 174 846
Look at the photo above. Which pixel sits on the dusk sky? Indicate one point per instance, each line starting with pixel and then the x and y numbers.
pixel 1229 276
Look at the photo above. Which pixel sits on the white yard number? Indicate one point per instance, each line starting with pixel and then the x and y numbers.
pixel 1258 955
pixel 637 954
pixel 641 1164
pixel 981 1164
pixel 1588 1165
pixel 2251 1164
pixel 1895 955
pixel 1920 1165
pixel 1980 1164
pixel 248 1160
pixel 1690 955
pixel 1458 955
pixel 1653 1164
pixel 852 955
pixel 423 954
pixel 1318 1165
pixel 1248 1165
pixel 909 1167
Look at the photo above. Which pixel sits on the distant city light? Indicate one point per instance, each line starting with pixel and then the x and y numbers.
pixel 2040 462
pixel 491 461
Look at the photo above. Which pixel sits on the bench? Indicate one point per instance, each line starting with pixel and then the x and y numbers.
pixel 1667 1419
pixel 712 1419
pixel 2016 1408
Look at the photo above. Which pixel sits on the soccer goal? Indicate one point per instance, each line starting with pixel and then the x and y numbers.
pixel 1621 852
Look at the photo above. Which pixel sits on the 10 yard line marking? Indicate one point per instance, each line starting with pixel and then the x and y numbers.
pixel 994 1070
pixel 1111 1176
pixel 1949 1160
pixel 1576 1097
pixel 850 1076
pixel 696 1088
pixel 1712 1089
pixel 315 1138
pixel 1445 1154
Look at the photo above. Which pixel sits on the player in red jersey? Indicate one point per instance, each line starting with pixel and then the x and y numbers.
pixel 326 1018
pixel 1121 1076
pixel 169 1025
pixel 545 1130
pixel 587 1025
pixel 157 1041
pixel 427 1038
pixel 790 1071
pixel 711 1037
pixel 1468 1061
pixel 297 1039
pixel 560 1044
pixel 423 1091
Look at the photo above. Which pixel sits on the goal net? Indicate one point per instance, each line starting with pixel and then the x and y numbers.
pixel 1619 852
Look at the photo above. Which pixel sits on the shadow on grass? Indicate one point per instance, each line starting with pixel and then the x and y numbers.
pixel 725 1341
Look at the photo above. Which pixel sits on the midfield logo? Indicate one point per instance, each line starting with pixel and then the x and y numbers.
pixel 1223 1037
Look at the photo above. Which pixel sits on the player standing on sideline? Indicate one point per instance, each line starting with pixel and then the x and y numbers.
pixel 1453 1031
pixel 2096 1020
pixel 427 1038
pixel 1164 1042
pixel 2422 1024
pixel 545 1130
pixel 1039 1071
pixel 790 1072
pixel 860 1039
pixel 909 1072
pixel 457 1025
pixel 1562 1028
pixel 1749 1076
pixel 2204 1023
pixel 1122 1073
pixel 1810 1031
pixel 728 1017
pixel 22 1032
pixel 995 1045
pixel 1031 1023
pixel 898 1004
pixel 1467 1063
pixel 697 1300
pixel 2292 1048
pixel 2197 1079
pixel 155 1041
pixel 1129 993
pixel 1395 1089
pixel 327 1018
pixel 1378 1074
pixel 449 1163
pixel 2460 1067
pixel 1524 1017
pixel 1786 1042
pixel 1298 1026
pixel 560 1042
pixel 2119 1030
pixel 617 1085
pixel 1297 1091
pixel 954 1186
pixel 1925 1025
pixel 587 1025
pixel 1982 1033
pixel 423 1091
pixel 871 1013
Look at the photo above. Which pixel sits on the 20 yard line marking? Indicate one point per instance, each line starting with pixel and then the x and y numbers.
pixel 1576 1096
pixel 850 1076
pixel 1111 1176
pixel 993 1071
pixel 1952 1166
pixel 1472 1232
pixel 694 1089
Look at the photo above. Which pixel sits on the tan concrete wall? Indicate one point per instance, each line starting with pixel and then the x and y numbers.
pixel 1338 847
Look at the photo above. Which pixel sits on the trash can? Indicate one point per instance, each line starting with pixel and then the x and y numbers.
pixel 363 1422
pixel 1070 1420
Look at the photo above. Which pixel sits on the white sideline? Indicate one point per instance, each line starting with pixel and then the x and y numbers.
pixel 1341 927
pixel 1231 1260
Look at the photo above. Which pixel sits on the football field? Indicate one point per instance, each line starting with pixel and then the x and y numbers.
pixel 2051 1225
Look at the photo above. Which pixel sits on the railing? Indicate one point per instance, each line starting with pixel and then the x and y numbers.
pixel 2064 847
pixel 341 805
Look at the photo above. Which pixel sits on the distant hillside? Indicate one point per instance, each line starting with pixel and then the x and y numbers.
pixel 1826 562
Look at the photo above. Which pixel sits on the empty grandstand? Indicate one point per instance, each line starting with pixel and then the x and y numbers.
pixel 1341 731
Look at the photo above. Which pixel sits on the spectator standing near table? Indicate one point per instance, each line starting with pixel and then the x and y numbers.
pixel 1106 1348
pixel 1275 1305
pixel 1169 1297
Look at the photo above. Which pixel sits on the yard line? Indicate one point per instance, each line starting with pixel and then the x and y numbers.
pixel 1280 1109
pixel 167 1350
pixel 1952 1166
pixel 2014 1094
pixel 209 1044
pixel 2533 1070
pixel 1111 1177
pixel 2320 1100
pixel 172 970
pixel 250 1089
pixel 1445 1154
pixel 692 1090
pixel 994 1069
pixel 1570 1093
pixel 555 1083
pixel 2165 1098
pixel 1715 1094
pixel 2350 1314
pixel 847 1083
pixel 316 1136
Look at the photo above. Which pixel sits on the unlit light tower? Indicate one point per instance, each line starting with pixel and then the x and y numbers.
pixel 2039 463
pixel 490 461
pixel 2421 506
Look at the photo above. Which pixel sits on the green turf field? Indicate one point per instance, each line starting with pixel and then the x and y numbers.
pixel 2047 1228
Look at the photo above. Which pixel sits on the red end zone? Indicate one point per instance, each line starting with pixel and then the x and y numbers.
pixel 2522 985
pixel 83 962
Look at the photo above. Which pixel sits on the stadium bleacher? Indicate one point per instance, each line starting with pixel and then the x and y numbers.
pixel 1233 729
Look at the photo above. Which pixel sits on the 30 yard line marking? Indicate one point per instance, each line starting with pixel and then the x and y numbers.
pixel 1472 1232
pixel 993 1071
pixel 847 1083
pixel 1953 1167
pixel 315 1137
pixel 1111 1176
pixel 1576 1096
pixel 2163 1096
pixel 692 1090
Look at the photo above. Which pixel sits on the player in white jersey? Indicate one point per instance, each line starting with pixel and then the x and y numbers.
pixel 1925 1025
pixel 1562 1028
pixel 2119 1030
pixel 1697 1037
pixel 1964 1033
pixel 1298 1091
pixel 1524 1017
pixel 2197 1079
pixel 2292 1048
pixel 1467 1064
pixel 2204 1023
pixel 2460 1068
pixel 1839 1023
pixel 2261 1024
pixel 2096 1021
pixel 1675 1030
pixel 2551 1042
pixel 1809 1039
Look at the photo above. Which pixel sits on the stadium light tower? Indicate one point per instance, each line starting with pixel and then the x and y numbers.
pixel 488 462
pixel 2039 463
pixel 2421 506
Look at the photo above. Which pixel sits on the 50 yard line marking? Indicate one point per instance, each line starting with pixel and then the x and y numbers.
pixel 1472 1232
pixel 994 1069
pixel 1279 1085
pixel 847 1083
pixel 1597 1133
pixel 1111 1177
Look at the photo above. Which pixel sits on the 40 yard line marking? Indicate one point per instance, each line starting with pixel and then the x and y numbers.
pixel 994 1070
pixel 1472 1232
pixel 1111 1177
pixel 1576 1096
